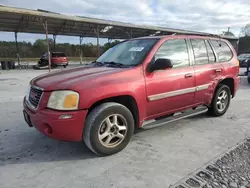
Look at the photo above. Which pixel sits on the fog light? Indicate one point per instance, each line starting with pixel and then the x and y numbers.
pixel 65 116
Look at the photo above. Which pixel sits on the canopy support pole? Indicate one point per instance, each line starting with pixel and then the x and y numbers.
pixel 97 37
pixel 81 38
pixel 109 42
pixel 17 50
pixel 45 25
pixel 129 33
pixel 54 38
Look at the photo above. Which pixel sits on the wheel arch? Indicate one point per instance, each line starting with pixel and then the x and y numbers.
pixel 126 100
pixel 228 82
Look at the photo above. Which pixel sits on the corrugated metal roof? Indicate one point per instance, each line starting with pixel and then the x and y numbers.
pixel 31 21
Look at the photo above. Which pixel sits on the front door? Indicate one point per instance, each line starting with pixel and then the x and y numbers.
pixel 171 89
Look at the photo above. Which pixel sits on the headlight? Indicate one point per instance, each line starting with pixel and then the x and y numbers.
pixel 63 100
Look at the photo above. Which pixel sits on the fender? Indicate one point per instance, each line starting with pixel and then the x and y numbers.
pixel 107 88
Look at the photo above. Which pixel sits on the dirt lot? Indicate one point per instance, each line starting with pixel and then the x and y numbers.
pixel 155 158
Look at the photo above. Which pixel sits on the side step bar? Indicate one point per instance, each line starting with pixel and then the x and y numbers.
pixel 178 116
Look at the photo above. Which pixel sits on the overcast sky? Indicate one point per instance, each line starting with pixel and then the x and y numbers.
pixel 209 16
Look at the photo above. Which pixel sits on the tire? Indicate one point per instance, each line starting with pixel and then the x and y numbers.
pixel 248 79
pixel 215 109
pixel 64 66
pixel 95 126
pixel 53 66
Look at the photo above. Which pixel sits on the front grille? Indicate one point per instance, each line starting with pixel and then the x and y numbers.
pixel 35 95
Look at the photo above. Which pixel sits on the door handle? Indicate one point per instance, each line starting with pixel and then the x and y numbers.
pixel 188 75
pixel 217 70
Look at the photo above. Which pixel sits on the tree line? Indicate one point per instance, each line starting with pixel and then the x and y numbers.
pixel 29 50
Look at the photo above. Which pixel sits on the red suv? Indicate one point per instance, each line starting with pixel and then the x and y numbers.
pixel 139 83
pixel 57 59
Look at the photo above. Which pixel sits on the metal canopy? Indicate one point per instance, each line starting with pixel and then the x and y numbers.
pixel 20 20
pixel 31 21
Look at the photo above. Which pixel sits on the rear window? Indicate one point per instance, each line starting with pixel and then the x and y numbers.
pixel 223 51
pixel 58 54
pixel 200 51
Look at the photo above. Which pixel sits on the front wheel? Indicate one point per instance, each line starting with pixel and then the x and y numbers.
pixel 221 101
pixel 108 128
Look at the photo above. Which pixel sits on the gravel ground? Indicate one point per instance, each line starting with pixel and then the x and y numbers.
pixel 159 157
pixel 231 170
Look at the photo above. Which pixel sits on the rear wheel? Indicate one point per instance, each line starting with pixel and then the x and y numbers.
pixel 221 101
pixel 64 66
pixel 53 66
pixel 108 128
pixel 248 79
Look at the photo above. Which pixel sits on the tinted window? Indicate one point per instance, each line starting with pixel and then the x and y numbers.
pixel 58 54
pixel 244 56
pixel 222 49
pixel 176 51
pixel 211 56
pixel 200 51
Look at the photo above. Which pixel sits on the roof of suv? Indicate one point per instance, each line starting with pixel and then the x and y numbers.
pixel 181 36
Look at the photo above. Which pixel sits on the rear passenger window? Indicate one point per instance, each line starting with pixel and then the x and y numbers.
pixel 176 51
pixel 200 51
pixel 210 53
pixel 223 51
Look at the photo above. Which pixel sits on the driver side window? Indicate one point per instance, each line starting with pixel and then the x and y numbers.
pixel 176 51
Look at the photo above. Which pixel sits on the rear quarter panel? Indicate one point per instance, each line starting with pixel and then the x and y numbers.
pixel 231 68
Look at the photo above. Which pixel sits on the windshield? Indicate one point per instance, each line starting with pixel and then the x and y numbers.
pixel 128 53
pixel 244 56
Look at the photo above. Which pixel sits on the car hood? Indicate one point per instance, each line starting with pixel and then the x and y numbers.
pixel 68 79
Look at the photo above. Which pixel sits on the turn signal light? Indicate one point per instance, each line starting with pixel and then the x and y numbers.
pixel 237 63
pixel 70 101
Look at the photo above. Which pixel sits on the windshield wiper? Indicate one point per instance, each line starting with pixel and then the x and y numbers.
pixel 98 63
pixel 114 64
pixel 130 65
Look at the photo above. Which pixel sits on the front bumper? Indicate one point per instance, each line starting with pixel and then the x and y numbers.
pixel 60 63
pixel 49 123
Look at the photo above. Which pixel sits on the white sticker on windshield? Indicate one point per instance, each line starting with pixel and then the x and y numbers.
pixel 136 49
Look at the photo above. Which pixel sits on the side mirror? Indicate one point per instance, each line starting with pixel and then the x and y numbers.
pixel 161 64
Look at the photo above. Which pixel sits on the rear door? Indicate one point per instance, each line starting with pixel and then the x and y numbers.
pixel 171 89
pixel 207 70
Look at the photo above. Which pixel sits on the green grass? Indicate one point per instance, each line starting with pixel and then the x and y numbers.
pixel 36 59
